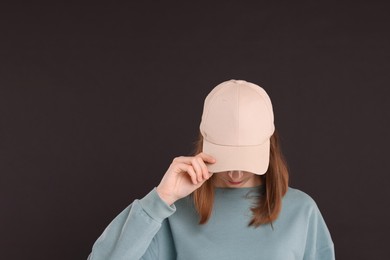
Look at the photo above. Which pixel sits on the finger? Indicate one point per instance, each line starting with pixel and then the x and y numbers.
pixel 187 159
pixel 205 171
pixel 198 168
pixel 192 174
pixel 183 168
pixel 206 157
pixel 183 159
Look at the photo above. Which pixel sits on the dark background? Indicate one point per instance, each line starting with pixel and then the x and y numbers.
pixel 97 99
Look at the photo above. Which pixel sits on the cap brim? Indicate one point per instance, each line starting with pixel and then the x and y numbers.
pixel 254 159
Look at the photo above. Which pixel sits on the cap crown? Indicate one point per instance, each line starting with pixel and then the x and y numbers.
pixel 237 113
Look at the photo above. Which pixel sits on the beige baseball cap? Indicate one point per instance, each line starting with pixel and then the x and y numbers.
pixel 237 123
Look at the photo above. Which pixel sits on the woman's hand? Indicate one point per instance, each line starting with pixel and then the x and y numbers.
pixel 184 175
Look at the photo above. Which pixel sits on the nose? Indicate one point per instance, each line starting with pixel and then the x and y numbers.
pixel 235 175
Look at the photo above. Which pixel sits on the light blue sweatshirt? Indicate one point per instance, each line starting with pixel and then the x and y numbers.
pixel 151 229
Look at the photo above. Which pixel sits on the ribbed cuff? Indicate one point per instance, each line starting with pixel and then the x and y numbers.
pixel 155 207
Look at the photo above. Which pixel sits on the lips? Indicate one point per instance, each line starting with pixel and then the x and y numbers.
pixel 235 183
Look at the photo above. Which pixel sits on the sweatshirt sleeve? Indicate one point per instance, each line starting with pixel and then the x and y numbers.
pixel 130 234
pixel 319 244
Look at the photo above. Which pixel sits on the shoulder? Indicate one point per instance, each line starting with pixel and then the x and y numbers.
pixel 319 244
pixel 298 195
pixel 299 199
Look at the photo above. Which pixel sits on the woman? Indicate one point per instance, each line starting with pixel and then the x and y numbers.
pixel 230 200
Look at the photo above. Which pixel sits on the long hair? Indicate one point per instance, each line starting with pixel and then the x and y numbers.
pixel 268 204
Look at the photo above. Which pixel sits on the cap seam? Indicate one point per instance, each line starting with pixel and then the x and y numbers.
pixel 264 99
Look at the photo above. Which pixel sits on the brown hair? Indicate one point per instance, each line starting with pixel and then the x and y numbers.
pixel 269 203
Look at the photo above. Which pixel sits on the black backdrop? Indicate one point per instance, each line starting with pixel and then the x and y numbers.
pixel 97 99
